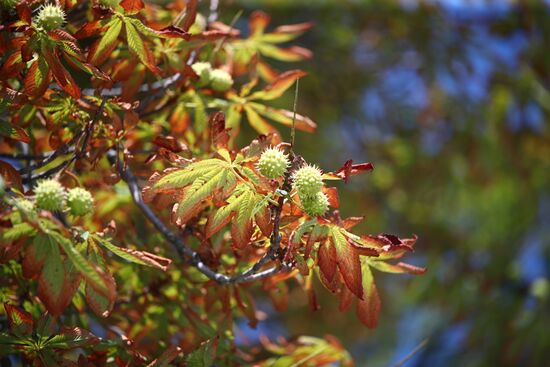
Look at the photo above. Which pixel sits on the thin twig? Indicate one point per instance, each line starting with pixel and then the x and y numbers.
pixel 293 131
pixel 418 348
pixel 64 149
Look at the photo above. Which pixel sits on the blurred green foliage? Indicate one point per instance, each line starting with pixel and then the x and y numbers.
pixel 450 100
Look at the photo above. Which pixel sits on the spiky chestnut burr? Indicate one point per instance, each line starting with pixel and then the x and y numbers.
pixel 273 163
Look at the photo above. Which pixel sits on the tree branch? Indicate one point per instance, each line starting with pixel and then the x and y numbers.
pixel 63 150
pixel 185 251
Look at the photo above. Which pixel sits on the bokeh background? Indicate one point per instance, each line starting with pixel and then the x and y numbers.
pixel 450 100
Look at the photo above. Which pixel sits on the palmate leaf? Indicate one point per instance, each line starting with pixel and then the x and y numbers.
pixel 196 182
pixel 138 47
pixel 257 112
pixel 340 250
pixel 266 44
pixel 243 206
pixel 102 49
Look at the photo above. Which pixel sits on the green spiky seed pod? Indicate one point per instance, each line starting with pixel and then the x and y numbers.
pixel 50 17
pixel 273 163
pixel 80 201
pixel 50 195
pixel 204 71
pixel 221 80
pixel 316 205
pixel 307 181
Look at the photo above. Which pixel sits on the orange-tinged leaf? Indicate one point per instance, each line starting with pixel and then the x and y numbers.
pixel 346 298
pixel 132 6
pixel 246 305
pixel 35 255
pixel 11 176
pixel 279 85
pixel 398 268
pixel 100 304
pixel 258 123
pixel 12 66
pixel 326 258
pixel 19 321
pixel 285 117
pixel 136 256
pixel 60 74
pixel 258 22
pixel 14 132
pixel 102 49
pixel 348 261
pixel 38 78
pixel 292 53
pixel 368 309
pixel 54 283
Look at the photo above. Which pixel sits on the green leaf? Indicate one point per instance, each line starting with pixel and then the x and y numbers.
pixel 278 87
pixel 102 49
pixel 100 304
pixel 17 231
pixel 135 256
pixel 368 309
pixel 90 273
pixel 13 131
pixel 138 47
pixel 52 287
pixel 257 122
pixel 347 260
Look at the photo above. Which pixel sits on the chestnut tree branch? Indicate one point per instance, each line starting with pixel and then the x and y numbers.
pixel 185 251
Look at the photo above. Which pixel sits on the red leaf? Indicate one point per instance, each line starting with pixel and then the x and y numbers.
pixel 170 143
pixel 327 260
pixel 57 283
pixel 348 261
pixel 12 66
pixel 88 29
pixel 61 76
pixel 132 6
pixel 14 132
pixel 218 132
pixel 37 79
pixel 279 86
pixel 24 12
pixel 332 194
pixel 190 14
pixel 349 169
pixel 258 22
pixel 100 304
pixel 35 256
pixel 369 308
pixel 19 321
pixel 346 298
pixel 246 305
pixel 11 177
